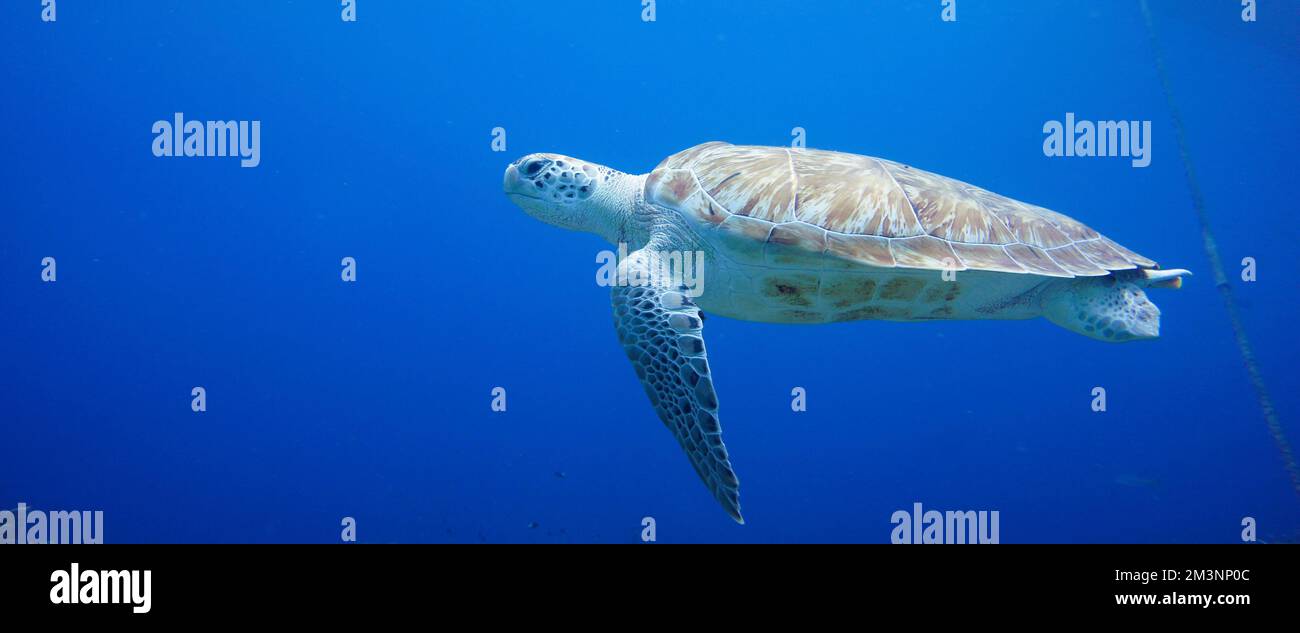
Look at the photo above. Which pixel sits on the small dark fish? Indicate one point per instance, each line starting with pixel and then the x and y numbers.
pixel 533 525
pixel 560 474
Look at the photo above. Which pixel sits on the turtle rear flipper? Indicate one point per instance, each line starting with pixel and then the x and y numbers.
pixel 1114 308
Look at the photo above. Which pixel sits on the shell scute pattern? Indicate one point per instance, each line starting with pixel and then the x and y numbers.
pixel 949 209
pixel 845 250
pixel 679 189
pixel 805 239
pixel 727 182
pixel 991 257
pixel 1104 255
pixel 833 210
pixel 926 252
pixel 851 194
pixel 1077 263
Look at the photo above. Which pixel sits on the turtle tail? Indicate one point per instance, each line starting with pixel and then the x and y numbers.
pixel 1114 308
pixel 1154 278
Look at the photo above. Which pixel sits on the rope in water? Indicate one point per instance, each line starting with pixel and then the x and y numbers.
pixel 1216 264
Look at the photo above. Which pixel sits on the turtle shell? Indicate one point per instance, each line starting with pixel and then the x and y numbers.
pixel 875 212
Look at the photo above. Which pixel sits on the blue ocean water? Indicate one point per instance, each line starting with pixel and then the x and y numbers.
pixel 371 399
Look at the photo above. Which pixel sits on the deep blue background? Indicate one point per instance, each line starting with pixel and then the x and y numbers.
pixel 371 399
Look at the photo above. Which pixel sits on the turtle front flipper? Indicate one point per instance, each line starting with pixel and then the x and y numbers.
pixel 662 332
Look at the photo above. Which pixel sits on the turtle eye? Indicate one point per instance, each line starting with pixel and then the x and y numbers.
pixel 532 166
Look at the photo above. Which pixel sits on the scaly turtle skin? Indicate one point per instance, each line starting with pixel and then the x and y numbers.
pixel 808 236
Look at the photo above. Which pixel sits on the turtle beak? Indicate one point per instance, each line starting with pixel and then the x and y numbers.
pixel 512 180
pixel 522 176
pixel 521 173
pixel 519 188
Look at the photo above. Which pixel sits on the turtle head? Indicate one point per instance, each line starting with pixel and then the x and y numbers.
pixel 570 193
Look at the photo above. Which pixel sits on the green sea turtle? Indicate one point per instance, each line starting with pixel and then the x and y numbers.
pixel 807 236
